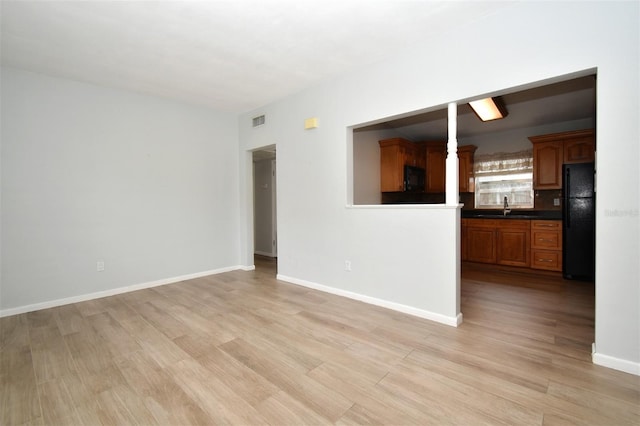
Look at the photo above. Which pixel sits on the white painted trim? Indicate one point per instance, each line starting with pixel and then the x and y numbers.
pixel 616 363
pixel 274 208
pixel 432 316
pixel 119 290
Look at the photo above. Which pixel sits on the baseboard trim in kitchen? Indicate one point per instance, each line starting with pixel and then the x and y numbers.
pixel 432 316
pixel 616 363
pixel 119 290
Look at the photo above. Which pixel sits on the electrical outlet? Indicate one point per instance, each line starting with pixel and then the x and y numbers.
pixel 347 265
pixel 556 201
pixel 100 265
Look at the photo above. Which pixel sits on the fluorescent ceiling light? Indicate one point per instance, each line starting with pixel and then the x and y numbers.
pixel 489 109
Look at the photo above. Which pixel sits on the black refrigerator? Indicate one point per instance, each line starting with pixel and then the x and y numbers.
pixel 578 221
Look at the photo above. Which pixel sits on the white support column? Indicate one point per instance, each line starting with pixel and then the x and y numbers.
pixel 452 197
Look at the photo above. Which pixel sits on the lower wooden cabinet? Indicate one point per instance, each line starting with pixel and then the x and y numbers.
pixel 535 244
pixel 498 241
pixel 513 243
pixel 546 259
pixel 481 243
pixel 546 245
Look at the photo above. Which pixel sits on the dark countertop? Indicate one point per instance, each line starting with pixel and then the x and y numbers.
pixel 515 214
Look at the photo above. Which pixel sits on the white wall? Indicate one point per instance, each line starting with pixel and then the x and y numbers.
pixel 408 255
pixel 88 173
pixel 366 165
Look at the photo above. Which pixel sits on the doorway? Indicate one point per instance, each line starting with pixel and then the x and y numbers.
pixel 564 103
pixel 265 240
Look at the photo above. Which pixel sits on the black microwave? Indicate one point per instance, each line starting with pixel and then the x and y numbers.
pixel 413 179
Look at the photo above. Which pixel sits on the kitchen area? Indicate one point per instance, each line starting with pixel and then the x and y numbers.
pixel 558 233
pixel 527 187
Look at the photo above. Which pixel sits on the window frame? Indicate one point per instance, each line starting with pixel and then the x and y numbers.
pixel 511 192
pixel 512 173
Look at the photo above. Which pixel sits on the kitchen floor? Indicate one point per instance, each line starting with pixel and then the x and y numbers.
pixel 537 310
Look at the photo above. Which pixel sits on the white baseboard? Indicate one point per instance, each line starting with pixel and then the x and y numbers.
pixel 432 316
pixel 264 253
pixel 616 363
pixel 114 291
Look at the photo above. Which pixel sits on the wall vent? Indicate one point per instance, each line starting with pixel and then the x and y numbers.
pixel 258 121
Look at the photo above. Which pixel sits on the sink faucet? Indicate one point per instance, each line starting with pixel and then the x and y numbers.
pixel 506 210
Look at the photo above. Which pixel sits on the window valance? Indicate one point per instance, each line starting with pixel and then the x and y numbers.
pixel 503 163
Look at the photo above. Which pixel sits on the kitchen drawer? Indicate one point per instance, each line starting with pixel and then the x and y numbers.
pixel 550 260
pixel 483 223
pixel 514 224
pixel 546 234
pixel 550 240
pixel 546 225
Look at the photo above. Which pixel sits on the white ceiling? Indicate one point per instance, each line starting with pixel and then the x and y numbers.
pixel 232 55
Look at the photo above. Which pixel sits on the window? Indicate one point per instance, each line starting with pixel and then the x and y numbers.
pixel 504 175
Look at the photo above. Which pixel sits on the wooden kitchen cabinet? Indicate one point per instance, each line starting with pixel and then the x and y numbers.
pixel 465 167
pixel 415 156
pixel 580 148
pixel 551 151
pixel 464 223
pixel 546 245
pixel 395 153
pixel 435 162
pixel 513 243
pixel 547 165
pixel 480 240
pixel 496 241
pixel 535 244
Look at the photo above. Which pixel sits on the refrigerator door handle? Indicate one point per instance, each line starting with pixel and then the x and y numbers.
pixel 567 210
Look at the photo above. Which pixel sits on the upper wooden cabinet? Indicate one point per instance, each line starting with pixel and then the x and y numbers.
pixel 547 165
pixel 395 153
pixel 551 151
pixel 465 167
pixel 580 149
pixel 435 161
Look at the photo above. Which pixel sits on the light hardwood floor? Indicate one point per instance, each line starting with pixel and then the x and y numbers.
pixel 244 348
